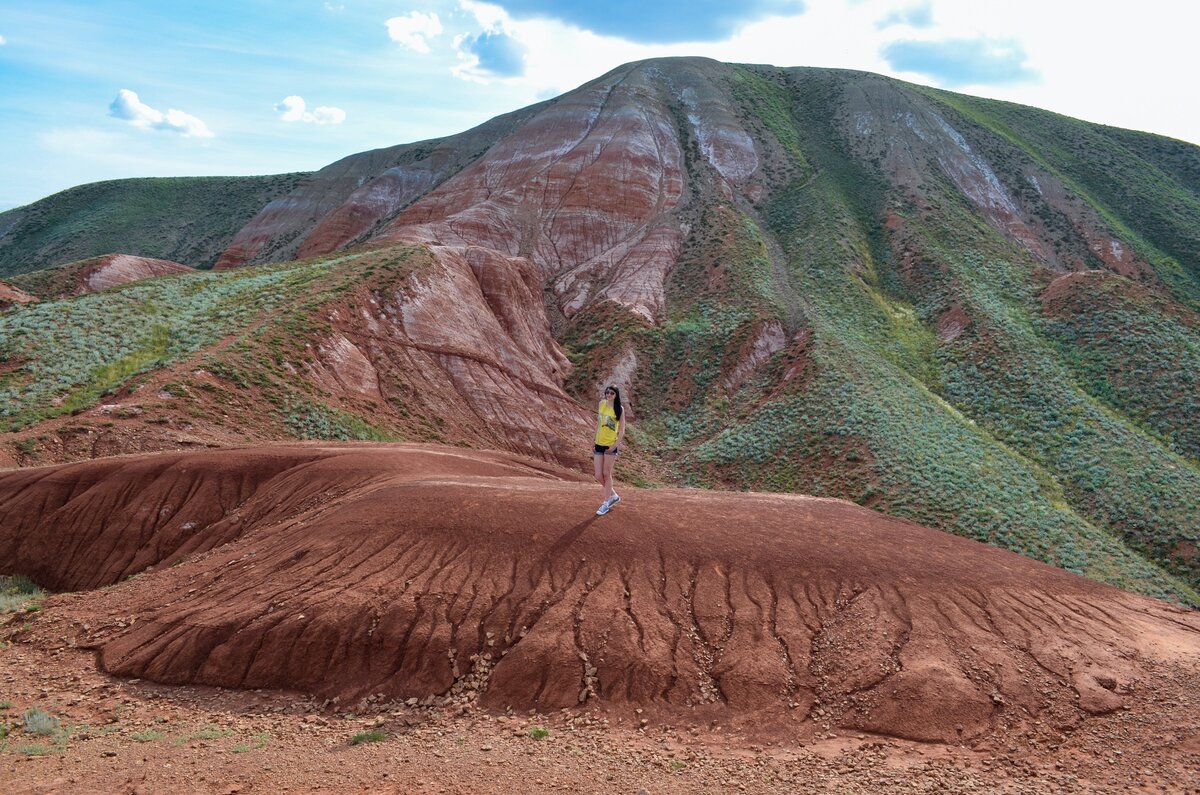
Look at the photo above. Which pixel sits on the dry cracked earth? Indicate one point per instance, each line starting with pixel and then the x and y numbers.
pixel 402 618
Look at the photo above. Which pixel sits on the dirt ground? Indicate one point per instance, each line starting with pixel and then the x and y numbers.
pixel 133 736
pixel 794 655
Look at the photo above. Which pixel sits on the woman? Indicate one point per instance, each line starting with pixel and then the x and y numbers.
pixel 610 431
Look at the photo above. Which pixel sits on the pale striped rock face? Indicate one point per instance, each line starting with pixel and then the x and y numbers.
pixel 586 190
pixel 591 188
pixel 474 327
pixel 117 269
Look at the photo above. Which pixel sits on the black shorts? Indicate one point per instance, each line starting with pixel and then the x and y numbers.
pixel 602 449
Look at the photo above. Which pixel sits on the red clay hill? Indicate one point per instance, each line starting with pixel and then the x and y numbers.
pixel 92 275
pixel 379 572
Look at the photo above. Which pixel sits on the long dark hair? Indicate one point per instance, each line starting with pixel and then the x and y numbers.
pixel 616 404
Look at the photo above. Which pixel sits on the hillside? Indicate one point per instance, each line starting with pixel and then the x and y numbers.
pixel 184 219
pixel 970 314
pixel 93 275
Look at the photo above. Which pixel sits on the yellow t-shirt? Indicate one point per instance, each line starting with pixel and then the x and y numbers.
pixel 606 431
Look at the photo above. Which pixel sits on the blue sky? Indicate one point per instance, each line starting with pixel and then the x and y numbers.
pixel 120 88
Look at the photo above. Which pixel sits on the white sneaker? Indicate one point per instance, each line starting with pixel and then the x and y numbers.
pixel 603 509
pixel 614 499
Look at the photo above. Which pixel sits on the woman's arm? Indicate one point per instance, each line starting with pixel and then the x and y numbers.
pixel 621 427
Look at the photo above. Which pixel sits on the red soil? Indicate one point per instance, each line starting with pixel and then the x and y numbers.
pixel 377 573
pixel 10 295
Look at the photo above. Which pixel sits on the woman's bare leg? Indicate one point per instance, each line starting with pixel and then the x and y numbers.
pixel 598 460
pixel 609 462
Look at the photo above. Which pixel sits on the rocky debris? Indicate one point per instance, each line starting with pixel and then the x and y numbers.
pixel 138 736
pixel 482 591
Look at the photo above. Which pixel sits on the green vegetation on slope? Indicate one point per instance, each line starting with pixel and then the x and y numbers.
pixel 1146 187
pixel 184 219
pixel 990 435
pixel 71 352
pixel 1133 351
pixel 65 355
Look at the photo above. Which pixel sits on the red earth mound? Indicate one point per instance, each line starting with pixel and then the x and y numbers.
pixel 411 572
pixel 112 270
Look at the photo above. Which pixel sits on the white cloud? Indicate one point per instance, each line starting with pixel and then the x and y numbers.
pixel 294 109
pixel 499 51
pixel 413 30
pixel 491 17
pixel 3 41
pixel 128 107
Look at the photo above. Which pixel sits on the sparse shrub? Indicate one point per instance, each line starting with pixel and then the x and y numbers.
pixel 38 721
pixel 150 735
pixel 372 736
pixel 36 750
pixel 539 732
pixel 203 733
pixel 19 594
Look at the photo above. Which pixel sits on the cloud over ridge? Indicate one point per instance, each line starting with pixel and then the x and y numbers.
pixel 961 62
pixel 295 109
pixel 129 107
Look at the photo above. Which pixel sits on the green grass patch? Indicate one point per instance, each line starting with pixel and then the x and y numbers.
pixel 372 736
pixel 148 736
pixel 19 594
pixel 207 732
pixel 36 750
